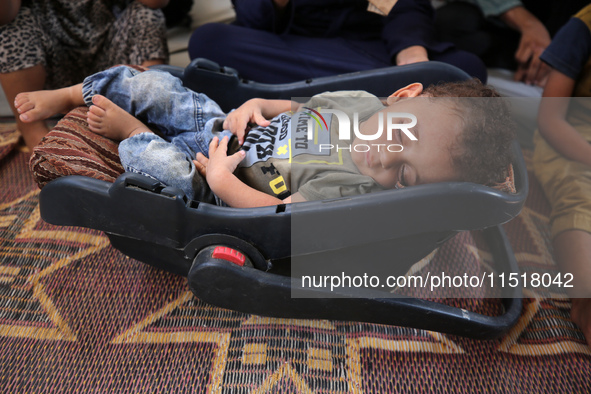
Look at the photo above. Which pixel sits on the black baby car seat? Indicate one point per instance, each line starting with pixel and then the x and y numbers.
pixel 240 258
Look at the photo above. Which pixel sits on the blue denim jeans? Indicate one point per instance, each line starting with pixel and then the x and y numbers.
pixel 186 122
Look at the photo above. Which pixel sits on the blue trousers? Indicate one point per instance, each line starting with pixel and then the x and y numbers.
pixel 185 121
pixel 263 56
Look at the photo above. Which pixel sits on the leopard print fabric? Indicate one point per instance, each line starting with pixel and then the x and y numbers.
pixel 74 39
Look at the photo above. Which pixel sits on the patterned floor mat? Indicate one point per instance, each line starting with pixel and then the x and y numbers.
pixel 78 316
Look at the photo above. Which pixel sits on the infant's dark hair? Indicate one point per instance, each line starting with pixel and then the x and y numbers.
pixel 482 153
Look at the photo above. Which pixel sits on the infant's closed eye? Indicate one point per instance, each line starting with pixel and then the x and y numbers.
pixel 401 177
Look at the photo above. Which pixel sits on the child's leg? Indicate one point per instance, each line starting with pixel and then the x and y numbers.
pixel 159 100
pixel 573 253
pixel 43 104
pixel 19 81
pixel 111 121
pixel 149 154
pixel 567 185
pixel 143 152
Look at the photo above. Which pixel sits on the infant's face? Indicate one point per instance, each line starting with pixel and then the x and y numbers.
pixel 427 160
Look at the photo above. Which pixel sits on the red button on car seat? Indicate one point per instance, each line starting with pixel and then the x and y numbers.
pixel 229 254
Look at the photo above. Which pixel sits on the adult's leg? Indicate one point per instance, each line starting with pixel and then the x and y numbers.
pixel 266 57
pixel 138 36
pixel 22 66
pixel 464 25
pixel 464 60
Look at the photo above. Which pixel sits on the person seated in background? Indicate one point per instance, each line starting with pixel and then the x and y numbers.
pixel 282 41
pixel 48 44
pixel 562 157
pixel 510 34
pixel 265 165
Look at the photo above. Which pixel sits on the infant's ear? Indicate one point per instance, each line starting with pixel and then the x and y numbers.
pixel 412 90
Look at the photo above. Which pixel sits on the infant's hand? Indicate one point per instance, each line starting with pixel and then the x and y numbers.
pixel 219 163
pixel 250 112
pixel 201 163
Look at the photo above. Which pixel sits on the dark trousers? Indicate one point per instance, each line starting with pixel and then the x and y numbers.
pixel 267 57
pixel 494 42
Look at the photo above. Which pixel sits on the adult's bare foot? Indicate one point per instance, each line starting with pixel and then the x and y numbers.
pixel 109 120
pixel 43 104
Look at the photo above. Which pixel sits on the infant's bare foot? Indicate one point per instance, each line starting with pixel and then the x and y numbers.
pixel 43 104
pixel 109 120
